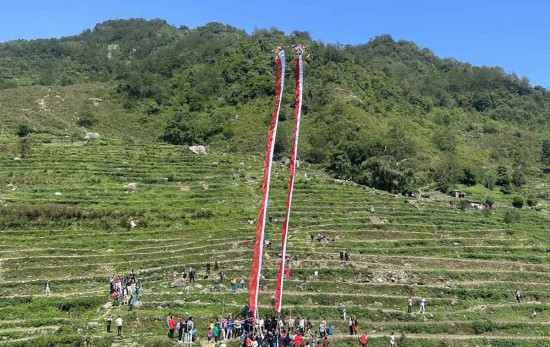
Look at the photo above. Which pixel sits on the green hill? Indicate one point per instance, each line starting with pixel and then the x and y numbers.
pixel 385 114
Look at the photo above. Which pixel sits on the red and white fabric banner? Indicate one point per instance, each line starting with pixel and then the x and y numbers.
pixel 256 268
pixel 297 114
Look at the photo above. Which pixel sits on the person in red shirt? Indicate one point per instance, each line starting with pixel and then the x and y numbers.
pixel 171 326
pixel 325 342
pixel 298 340
pixel 363 340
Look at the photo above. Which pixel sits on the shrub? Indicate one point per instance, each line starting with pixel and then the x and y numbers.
pixel 23 130
pixel 489 201
pixel 463 205
pixel 531 201
pixel 87 119
pixel 511 216
pixel 469 177
pixel 481 327
pixel 517 202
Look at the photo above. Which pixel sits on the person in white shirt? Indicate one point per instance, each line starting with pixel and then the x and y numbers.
pixel 119 325
pixel 291 324
pixel 261 324
pixel 392 340
pixel 422 306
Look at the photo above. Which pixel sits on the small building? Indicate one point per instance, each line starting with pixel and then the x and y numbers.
pixel 459 194
pixel 478 205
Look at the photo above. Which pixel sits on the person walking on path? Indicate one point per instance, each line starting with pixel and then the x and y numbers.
pixel 409 305
pixel 242 283
pixel 350 323
pixel 131 302
pixel 325 342
pixel 109 320
pixel 119 325
pixel 518 296
pixel 422 306
pixel 392 340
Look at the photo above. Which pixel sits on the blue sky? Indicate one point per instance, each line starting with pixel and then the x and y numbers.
pixel 512 34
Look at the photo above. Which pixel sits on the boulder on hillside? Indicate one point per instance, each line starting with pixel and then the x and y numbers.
pixel 131 188
pixel 179 283
pixel 91 135
pixel 218 288
pixel 199 149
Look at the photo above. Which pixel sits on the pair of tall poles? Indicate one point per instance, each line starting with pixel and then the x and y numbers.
pixel 256 268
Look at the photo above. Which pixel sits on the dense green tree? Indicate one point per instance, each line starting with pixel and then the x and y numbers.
pixel 504 179
pixel 545 156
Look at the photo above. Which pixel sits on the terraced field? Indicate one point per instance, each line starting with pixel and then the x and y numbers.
pixel 76 214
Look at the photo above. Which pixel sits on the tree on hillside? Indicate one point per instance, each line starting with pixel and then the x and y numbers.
pixel 504 179
pixel 545 156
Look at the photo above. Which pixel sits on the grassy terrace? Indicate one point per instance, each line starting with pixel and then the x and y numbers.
pixel 66 215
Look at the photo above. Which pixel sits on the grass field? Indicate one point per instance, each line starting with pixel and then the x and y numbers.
pixel 66 212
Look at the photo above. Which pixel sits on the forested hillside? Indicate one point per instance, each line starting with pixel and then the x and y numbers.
pixel 386 113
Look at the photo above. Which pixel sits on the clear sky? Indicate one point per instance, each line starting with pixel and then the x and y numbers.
pixel 512 34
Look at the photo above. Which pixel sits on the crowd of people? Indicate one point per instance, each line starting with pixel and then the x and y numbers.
pixel 269 332
pixel 125 290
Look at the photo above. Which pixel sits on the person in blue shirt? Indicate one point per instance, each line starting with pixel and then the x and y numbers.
pixel 229 327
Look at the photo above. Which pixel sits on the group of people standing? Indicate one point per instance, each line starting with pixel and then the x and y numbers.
pixel 125 290
pixel 186 328
pixel 269 332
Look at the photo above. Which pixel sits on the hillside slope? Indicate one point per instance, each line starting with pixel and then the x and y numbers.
pixel 77 214
pixel 385 114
